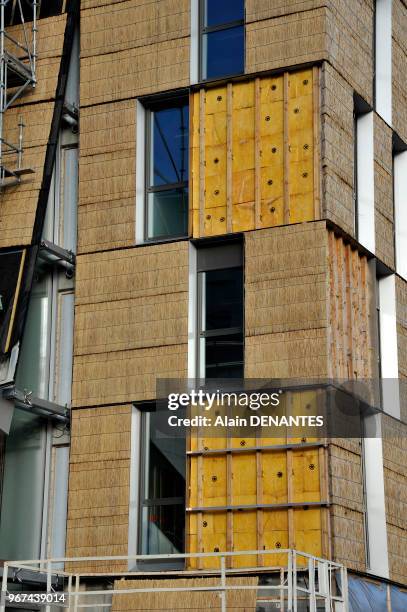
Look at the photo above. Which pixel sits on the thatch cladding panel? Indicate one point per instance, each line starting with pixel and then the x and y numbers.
pixel 287 355
pixel 285 279
pixel 106 225
pixel 286 333
pixel 132 23
pixel 131 322
pixel 106 215
pixel 135 72
pixel 98 500
pixel 348 537
pixel 257 10
pixel 200 601
pixel 132 273
pixel 383 187
pixel 136 323
pixel 18 204
pixel 346 478
pixel 397 546
pixel 107 177
pixel 399 59
pixel 125 375
pixel 37 121
pixel 50 35
pixel 337 148
pixel 108 127
pixel 287 40
pixel 395 488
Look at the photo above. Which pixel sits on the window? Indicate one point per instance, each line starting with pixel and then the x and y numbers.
pixel 220 312
pixel 222 38
pixel 167 167
pixel 163 462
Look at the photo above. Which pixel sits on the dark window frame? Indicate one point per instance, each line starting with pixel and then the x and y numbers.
pixel 146 502
pixel 220 332
pixel 162 103
pixel 203 30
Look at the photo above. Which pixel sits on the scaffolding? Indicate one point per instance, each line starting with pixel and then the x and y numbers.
pixel 18 54
pixel 294 582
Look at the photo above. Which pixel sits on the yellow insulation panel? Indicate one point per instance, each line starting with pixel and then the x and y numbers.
pixel 255 153
pixel 256 499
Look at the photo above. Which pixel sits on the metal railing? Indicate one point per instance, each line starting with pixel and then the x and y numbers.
pixel 303 582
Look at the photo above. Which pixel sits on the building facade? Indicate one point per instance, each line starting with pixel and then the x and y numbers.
pixel 207 190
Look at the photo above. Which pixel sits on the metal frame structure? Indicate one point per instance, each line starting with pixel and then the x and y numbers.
pixel 17 73
pixel 305 580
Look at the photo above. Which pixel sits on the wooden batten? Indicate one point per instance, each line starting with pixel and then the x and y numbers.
pixel 258 499
pixel 255 154
pixel 350 315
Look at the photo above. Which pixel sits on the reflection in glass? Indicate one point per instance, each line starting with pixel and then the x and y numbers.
pixel 223 53
pixel 167 213
pixel 167 176
pixel 163 529
pixel 224 356
pixel 23 488
pixel 224 298
pixel 169 146
pixel 163 490
pixel 217 12
pixel 33 365
pixel 221 346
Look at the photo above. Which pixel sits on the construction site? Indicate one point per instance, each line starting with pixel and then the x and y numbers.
pixel 203 191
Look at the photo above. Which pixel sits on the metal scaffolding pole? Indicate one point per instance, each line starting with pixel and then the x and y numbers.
pixel 18 56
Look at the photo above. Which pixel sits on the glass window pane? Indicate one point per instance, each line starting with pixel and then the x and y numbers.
pixel 167 213
pixel 223 11
pixel 224 299
pixel 169 146
pixel 165 461
pixel 164 475
pixel 166 469
pixel 33 365
pixel 163 529
pixel 23 488
pixel 224 356
pixel 223 53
